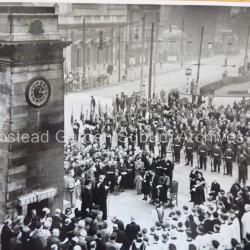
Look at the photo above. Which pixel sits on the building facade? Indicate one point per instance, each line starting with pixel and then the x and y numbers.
pixel 101 27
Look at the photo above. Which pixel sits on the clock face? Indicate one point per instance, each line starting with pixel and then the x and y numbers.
pixel 38 92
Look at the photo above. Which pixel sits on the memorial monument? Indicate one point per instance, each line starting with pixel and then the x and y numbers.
pixel 31 110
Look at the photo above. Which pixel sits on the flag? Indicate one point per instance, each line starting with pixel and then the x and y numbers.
pixel 82 115
pixel 72 116
pixel 99 109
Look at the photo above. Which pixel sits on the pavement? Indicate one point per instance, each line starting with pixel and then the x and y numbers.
pixel 211 70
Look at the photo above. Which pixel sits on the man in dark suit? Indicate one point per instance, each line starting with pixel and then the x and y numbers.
pixel 6 235
pixel 87 200
pixel 132 229
pixel 99 244
pixel 121 237
pixel 100 196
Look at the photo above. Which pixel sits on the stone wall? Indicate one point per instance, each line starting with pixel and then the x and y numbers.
pixel 4 146
pixel 36 165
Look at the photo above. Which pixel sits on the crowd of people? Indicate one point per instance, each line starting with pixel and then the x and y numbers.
pixel 214 225
pixel 137 147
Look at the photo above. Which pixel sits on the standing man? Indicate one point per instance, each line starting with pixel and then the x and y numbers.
pixel 164 144
pixel 189 152
pixel 203 155
pixel 76 127
pixel 169 168
pixel 109 133
pixel 87 201
pixel 132 230
pixel 146 185
pixel 177 150
pixel 229 161
pixel 100 195
pixel 242 169
pixel 92 104
pixel 6 234
pixel 217 158
pixel 117 103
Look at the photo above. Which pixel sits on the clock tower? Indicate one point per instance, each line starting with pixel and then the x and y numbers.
pixel 32 110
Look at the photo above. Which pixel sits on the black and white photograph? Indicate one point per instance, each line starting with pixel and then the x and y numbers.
pixel 124 126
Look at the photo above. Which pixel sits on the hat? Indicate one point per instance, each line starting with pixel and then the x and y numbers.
pixel 215 243
pixel 68 211
pixel 234 242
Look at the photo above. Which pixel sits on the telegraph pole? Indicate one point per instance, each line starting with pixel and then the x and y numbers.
pixel 156 60
pixel 83 49
pixel 143 51
pixel 72 52
pixel 246 50
pixel 199 57
pixel 151 61
pixel 119 53
pixel 112 47
pixel 182 38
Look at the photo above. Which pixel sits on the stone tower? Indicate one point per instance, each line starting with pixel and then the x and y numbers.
pixel 31 109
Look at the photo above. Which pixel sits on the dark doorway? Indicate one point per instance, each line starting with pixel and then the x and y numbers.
pixel 38 206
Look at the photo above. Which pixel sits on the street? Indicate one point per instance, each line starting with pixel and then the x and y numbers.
pixel 121 205
pixel 211 70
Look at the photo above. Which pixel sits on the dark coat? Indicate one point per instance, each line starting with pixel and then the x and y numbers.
pixel 6 235
pixel 120 224
pixel 87 201
pixel 100 195
pixel 146 184
pixel 100 245
pixel 131 230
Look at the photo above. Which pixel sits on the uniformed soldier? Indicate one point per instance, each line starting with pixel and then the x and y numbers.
pixel 177 150
pixel 151 143
pixel 109 133
pixel 229 161
pixel 164 144
pixel 203 155
pixel 189 152
pixel 217 158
